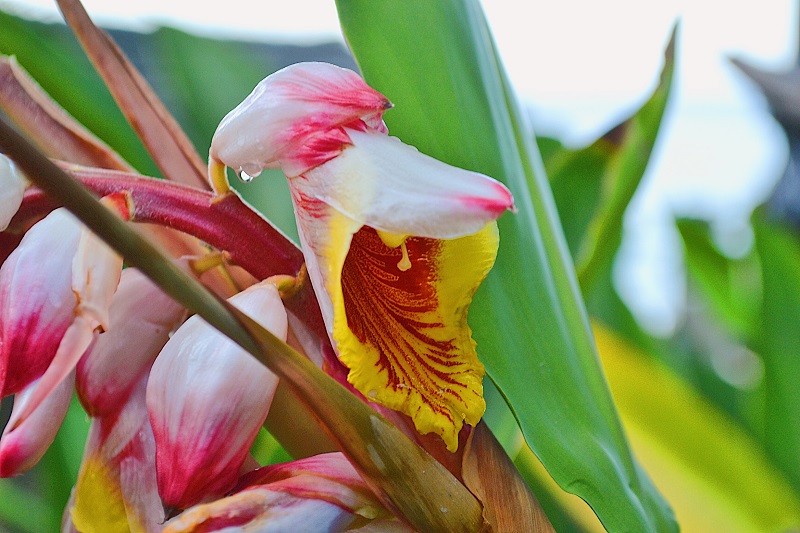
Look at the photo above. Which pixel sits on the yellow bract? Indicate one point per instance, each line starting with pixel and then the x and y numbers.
pixel 98 490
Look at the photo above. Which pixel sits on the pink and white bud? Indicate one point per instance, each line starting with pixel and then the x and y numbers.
pixel 141 319
pixel 23 444
pixel 55 289
pixel 207 400
pixel 294 119
pixel 36 300
pixel 323 490
pixel 12 188
pixel 96 271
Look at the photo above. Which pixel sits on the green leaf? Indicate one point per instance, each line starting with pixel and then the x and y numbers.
pixel 779 343
pixel 436 62
pixel 621 157
pixel 18 505
pixel 730 287
pixel 592 187
pixel 267 450
pixel 715 473
pixel 694 452
pixel 576 178
pixel 722 327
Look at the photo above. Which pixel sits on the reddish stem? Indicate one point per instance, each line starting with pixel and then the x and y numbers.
pixel 225 223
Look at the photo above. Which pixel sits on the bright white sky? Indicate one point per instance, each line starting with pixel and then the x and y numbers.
pixel 581 65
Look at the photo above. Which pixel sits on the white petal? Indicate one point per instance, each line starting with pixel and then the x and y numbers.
pixel 12 187
pixel 383 183
pixel 201 440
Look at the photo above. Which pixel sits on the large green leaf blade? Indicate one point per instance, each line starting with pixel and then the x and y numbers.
pixel 435 61
pixel 629 146
pixel 779 343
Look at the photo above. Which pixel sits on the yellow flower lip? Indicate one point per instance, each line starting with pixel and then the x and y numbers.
pixel 396 244
pixel 403 332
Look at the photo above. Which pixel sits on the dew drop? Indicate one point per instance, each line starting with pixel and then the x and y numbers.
pixel 248 172
pixel 373 393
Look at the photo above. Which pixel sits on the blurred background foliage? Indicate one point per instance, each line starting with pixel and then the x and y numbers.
pixel 711 412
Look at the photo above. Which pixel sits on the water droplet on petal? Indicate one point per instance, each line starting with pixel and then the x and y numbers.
pixel 247 173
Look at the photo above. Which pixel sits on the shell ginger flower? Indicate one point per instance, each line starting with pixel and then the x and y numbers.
pixel 395 242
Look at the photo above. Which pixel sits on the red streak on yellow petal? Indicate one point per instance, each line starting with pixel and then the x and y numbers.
pixel 415 353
